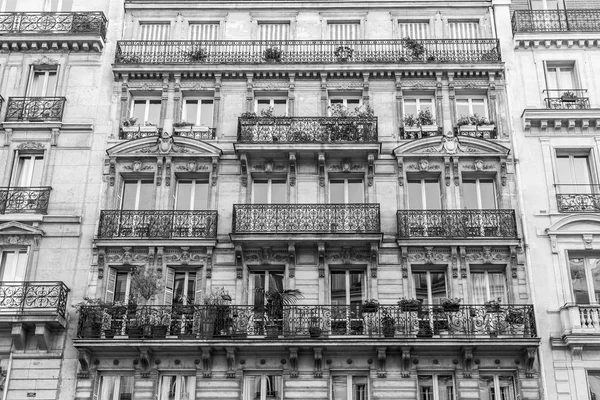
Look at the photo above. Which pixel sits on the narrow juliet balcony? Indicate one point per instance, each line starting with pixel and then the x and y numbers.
pixel 578 198
pixel 306 322
pixel 570 99
pixel 457 224
pixel 24 200
pixel 381 51
pixel 75 31
pixel 530 21
pixel 31 302
pixel 283 219
pixel 35 109
pixel 157 224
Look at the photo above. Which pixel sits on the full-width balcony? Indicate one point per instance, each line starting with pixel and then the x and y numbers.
pixel 24 200
pixel 297 221
pixel 571 99
pixel 578 198
pixel 157 224
pixel 35 109
pixel 528 21
pixel 306 322
pixel 73 31
pixel 380 51
pixel 457 224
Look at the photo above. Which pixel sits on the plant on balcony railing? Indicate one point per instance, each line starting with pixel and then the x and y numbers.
pixel 35 109
pixel 306 218
pixel 476 126
pixel 272 54
pixel 456 224
pixel 343 53
pixel 24 200
pixel 157 224
pixel 572 99
pixel 198 55
pixel 415 47
pixel 421 125
pixel 53 23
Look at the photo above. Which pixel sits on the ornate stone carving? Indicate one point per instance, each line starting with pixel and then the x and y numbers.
pixel 84 356
pixel 347 255
pixel 529 355
pixel 467 355
pixel 321 265
pixel 405 362
pixel 31 146
pixel 230 362
pixel 429 255
pixel 321 169
pixel 239 262
pixel 292 173
pixel 265 255
pixel 318 360
pixel 206 362
pixel 292 260
pixel 450 145
pixel 269 166
pixel 381 358
pixel 293 362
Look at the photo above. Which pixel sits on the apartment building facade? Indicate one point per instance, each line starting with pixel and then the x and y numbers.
pixel 555 109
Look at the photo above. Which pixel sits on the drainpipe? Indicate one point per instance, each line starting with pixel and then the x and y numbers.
pixel 10 359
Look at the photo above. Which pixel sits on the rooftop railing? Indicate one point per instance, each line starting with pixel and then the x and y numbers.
pixel 234 322
pixel 21 298
pixel 527 21
pixel 24 199
pixel 43 23
pixel 387 51
pixel 35 109
pixel 157 224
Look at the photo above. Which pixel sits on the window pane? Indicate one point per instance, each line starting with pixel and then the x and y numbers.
pixel 338 288
pixel 582 170
pixel 479 288
pixel 432 194
pixel 497 286
pixel 275 281
pixel 445 387
pixel 486 388
pixel 552 77
pixel 191 288
pixel 336 192
pixel 425 387
pixel 352 103
pixel 579 281
pixel 567 80
pixel 38 166
pixel 594 380
pixel 9 264
pixel 356 288
pixel 410 107
pixel 595 277
pixel 420 281
pixel 121 286
pixel 37 85
pixel 201 195
pixel 355 191
pixel 438 286
pixel 479 107
pixel 260 191
pixel 50 84
pixel 339 389
pixel 184 194
pixel 179 289
pixel 108 387
pixel 258 280
pixel 278 191
pixel 129 195
pixel 262 104
pixel 139 111
pixel 280 107
pixel 488 195
pixel 415 199
pixel 206 113
pixel 470 195
pixel 154 112
pixel 359 388
pixel 253 385
pixel 336 101
pixel 191 111
pixel 145 201
pixel 462 107
pixel 507 390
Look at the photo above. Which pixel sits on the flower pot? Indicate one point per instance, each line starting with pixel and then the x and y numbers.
pixel 492 308
pixel 388 331
pixel 467 128
pixel 135 332
pixel 409 307
pixel 272 331
pixel 568 99
pixel 91 329
pixel 159 331
pixel 150 130
pixel 129 132
pixel 109 333
pixel 429 129
pixel 370 308
pixel 315 332
pixel 451 307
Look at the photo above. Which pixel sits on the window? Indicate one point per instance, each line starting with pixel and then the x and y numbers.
pixel 464 29
pixel 594 384
pixel 273 30
pixel 177 387
pixel 424 194
pixel 561 77
pixel 192 194
pixel 59 5
pixel 154 31
pixel 28 171
pixel 573 173
pixel 349 387
pixel 269 191
pixel 471 106
pixel 488 285
pixel 344 30
pixel 138 195
pixel 436 387
pixel 412 106
pixel 263 387
pixel 198 111
pixel 545 4
pixel 13 265
pixel 278 105
pixel 348 102
pixel 585 279
pixel 348 291
pixel 8 5
pixel 42 82
pixel 479 194
pixel 430 287
pixel 116 387
pixel 146 111
pixel 180 286
pixel 414 30
pixel 118 284
pixel 262 282
pixel 496 387
pixel 204 31
pixel 346 191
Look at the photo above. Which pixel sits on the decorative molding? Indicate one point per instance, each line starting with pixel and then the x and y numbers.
pixel 454 257
pixel 467 356
pixel 239 262
pixel 370 169
pixel 529 355
pixel 206 362
pixel 381 358
pixel 292 260
pixel 266 255
pixel 487 254
pixel 463 261
pixel 84 356
pixel 137 166
pixel 244 170
pixel 209 262
pixel 159 167
pixel 318 362
pixel 230 362
pixel 293 362
pixel 428 255
pixel 145 361
pixel 423 165
pixel 503 172
pixel 478 165
pixel 455 170
pixel 404 261
pixel 321 265
pixel 31 146
pixel 400 171
pixel 450 145
pixel 347 255
pixel 447 170
pixel 405 362
pixel 321 167
pixel 292 173
pixel 193 166
pixel 269 166
pixel 214 171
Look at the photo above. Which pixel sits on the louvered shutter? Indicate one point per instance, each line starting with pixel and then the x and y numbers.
pixel 465 30
pixel 198 294
pixel 169 284
pixel 204 31
pixel 344 30
pixel 273 31
pixel 154 31
pixel 111 283
pixel 414 30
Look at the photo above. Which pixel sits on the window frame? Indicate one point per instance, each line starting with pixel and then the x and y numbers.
pixel 422 180
pixel 47 71
pixel 496 376
pixel 189 277
pixel 17 169
pixel 587 375
pixel 486 270
pixel 428 272
pixel 264 375
pixel 199 99
pixel 178 382
pixel 544 6
pixel 266 273
pixel 139 182
pixel 270 189
pixel 435 385
pixel 194 182
pixel 346 181
pixel 350 376
pixel 469 99
pixel 560 66
pixel 586 256
pixel 118 382
pixel 147 100
pixel 478 179
pixel 418 100
pixel 271 100
pixel 343 100
pixel 21 262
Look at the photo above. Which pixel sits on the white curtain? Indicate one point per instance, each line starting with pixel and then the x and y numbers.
pixel 479 288
pixel 154 31
pixel 273 31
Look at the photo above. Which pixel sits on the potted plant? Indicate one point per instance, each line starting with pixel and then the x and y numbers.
pixel 275 300
pixel 343 53
pixel 146 282
pixel 451 305
pixel 515 316
pixel 213 317
pixel 314 328
pixel 411 128
pixel 272 54
pixel 91 316
pixel 388 324
pixel 415 48
pixel 568 96
pixel 369 306
pixel 409 304
pixel 493 306
pixel 128 127
pixel 198 55
pixel 467 123
pixel 426 121
pixel 148 129
pixel 160 320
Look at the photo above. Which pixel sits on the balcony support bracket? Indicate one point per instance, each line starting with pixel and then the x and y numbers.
pixel 42 336
pixel 145 361
pixel 84 356
pixel 405 363
pixel 292 260
pixel 19 336
pixel 529 355
pixel 239 262
pixel 318 368
pixel 244 169
pixel 467 353
pixel 230 362
pixel 381 358
pixel 321 267
pixel 206 362
pixel 293 362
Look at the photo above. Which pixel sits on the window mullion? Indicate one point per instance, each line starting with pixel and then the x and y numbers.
pixel 146 111
pixel 138 189
pixel 192 194
pixel 347 273
pixel 429 294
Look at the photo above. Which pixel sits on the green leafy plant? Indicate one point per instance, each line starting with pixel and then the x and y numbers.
pixel 128 58
pixel 568 96
pixel 473 120
pixel 409 304
pixel 198 55
pixel 410 120
pixel 249 115
pixel 369 306
pixel 451 305
pixel 415 47
pixel 272 54
pixel 343 53
pixel 128 122
pixel 267 113
pixel 424 117
pixel 145 283
pixel 182 124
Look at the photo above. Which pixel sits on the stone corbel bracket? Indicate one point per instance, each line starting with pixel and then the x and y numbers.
pixel 239 262
pixel 145 361
pixel 467 356
pixel 370 169
pixel 321 266
pixel 405 362
pixel 292 169
pixel 84 356
pixel 381 360
pixel 214 171
pixel 293 362
pixel 529 355
pixel 209 262
pixel 206 362
pixel 230 362
pixel 292 260
pixel 322 169
pixel 244 169
pixel 318 367
pixel 374 259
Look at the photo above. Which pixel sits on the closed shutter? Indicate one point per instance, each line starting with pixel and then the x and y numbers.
pixel 111 283
pixel 169 284
pixel 273 31
pixel 414 30
pixel 464 30
pixel 344 30
pixel 198 294
pixel 204 31
pixel 154 31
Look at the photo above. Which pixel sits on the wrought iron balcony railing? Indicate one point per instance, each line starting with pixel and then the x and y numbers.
pixel 525 21
pixel 570 99
pixel 307 51
pixel 307 130
pixel 572 198
pixel 456 224
pixel 44 23
pixel 157 224
pixel 33 298
pixel 24 199
pixel 35 109
pixel 306 218
pixel 304 322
